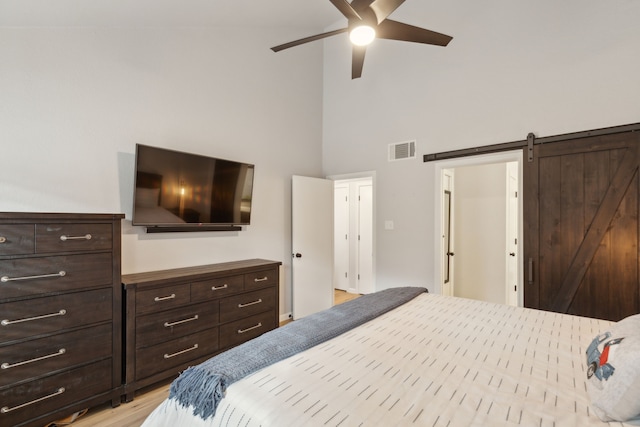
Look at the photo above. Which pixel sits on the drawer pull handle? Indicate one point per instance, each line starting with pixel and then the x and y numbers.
pixel 37 359
pixel 225 286
pixel 3 239
pixel 261 279
pixel 5 279
pixel 6 409
pixel 191 319
pixel 172 296
pixel 64 237
pixel 242 331
pixel 7 322
pixel 250 303
pixel 169 356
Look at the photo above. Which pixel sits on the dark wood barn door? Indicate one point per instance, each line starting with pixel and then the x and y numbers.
pixel 581 226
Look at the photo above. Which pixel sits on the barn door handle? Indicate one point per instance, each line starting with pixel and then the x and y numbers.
pixel 530 271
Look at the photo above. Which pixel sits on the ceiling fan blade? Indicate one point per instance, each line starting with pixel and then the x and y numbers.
pixel 394 30
pixel 345 8
pixel 384 8
pixel 308 39
pixel 357 61
pixel 360 5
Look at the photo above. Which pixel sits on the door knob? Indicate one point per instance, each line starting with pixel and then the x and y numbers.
pixel 297 255
pixel 512 253
pixel 450 254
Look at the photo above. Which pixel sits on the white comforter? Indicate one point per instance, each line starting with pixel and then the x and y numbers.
pixel 435 361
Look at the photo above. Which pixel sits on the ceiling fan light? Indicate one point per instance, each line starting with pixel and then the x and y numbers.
pixel 362 35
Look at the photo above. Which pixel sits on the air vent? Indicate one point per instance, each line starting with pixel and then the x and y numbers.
pixel 402 151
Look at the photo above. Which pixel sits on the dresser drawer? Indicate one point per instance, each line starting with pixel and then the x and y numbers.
pixel 171 324
pixel 161 357
pixel 23 319
pixel 20 403
pixel 17 239
pixel 38 357
pixel 239 306
pixel 32 276
pixel 237 332
pixel 261 279
pixel 216 288
pixel 164 298
pixel 73 237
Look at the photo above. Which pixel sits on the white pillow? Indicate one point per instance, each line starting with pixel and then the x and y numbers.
pixel 613 371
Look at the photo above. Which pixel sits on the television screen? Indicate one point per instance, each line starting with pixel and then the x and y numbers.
pixel 173 188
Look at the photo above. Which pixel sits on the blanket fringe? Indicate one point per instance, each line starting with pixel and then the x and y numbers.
pixel 202 389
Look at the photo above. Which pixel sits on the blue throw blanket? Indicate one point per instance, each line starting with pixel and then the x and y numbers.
pixel 204 385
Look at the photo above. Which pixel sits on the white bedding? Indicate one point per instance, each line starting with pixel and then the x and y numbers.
pixel 435 361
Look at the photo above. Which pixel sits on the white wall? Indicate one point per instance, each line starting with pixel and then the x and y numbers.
pixel 511 68
pixel 480 217
pixel 75 101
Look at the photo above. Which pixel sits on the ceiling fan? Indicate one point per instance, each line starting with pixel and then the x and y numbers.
pixel 367 19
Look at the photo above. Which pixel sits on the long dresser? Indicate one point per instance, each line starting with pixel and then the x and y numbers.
pixel 180 317
pixel 60 315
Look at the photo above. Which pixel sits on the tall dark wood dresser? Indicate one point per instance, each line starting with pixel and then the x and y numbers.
pixel 60 315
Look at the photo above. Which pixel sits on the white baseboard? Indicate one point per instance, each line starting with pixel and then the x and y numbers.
pixel 286 316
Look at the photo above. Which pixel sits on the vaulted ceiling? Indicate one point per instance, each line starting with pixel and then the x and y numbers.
pixel 312 14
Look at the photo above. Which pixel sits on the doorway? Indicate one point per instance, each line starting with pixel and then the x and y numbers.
pixel 478 220
pixel 354 234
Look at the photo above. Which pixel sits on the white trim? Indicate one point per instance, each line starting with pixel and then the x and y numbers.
pixel 286 316
pixel 502 157
pixel 355 176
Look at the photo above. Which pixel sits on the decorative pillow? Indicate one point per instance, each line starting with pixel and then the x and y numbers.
pixel 613 371
pixel 147 197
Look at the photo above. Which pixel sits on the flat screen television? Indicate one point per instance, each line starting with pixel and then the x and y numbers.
pixel 177 191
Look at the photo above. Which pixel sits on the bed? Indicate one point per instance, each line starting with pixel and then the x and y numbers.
pixel 432 361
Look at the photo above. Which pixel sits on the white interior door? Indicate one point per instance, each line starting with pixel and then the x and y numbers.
pixel 312 245
pixel 365 239
pixel 512 234
pixel 341 237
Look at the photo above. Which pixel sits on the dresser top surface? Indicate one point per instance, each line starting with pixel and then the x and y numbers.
pixel 196 272
pixel 14 217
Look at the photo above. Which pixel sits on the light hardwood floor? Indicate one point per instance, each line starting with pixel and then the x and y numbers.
pixel 132 414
